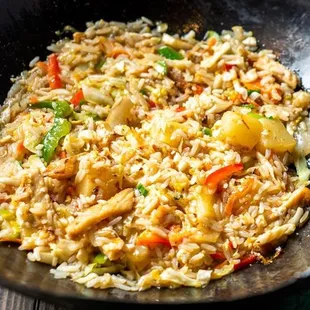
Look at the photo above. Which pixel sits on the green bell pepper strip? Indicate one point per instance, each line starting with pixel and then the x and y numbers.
pixel 169 53
pixel 143 191
pixel 51 140
pixel 84 116
pixel 61 108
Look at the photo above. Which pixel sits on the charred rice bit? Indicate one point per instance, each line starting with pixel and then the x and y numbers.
pixel 132 158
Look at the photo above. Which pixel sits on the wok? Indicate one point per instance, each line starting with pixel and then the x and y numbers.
pixel 28 26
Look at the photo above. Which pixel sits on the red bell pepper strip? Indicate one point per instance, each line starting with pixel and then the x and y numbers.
pixel 218 256
pixel 152 104
pixel 228 67
pixel 245 261
pixel 77 98
pixel 53 72
pixel 219 175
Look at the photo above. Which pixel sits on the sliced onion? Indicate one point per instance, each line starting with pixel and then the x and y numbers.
pixel 94 96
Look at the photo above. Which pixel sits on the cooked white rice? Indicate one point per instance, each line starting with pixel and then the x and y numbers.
pixel 174 171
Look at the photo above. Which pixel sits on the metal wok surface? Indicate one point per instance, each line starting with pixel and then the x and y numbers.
pixel 28 26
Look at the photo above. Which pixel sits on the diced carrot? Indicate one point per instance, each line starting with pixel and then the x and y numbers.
pixel 198 89
pixel 180 109
pixel 53 72
pixel 118 51
pixel 245 261
pixel 151 240
pixel 20 147
pixel 253 85
pixel 42 66
pixel 211 42
pixel 20 151
pixel 63 154
pixel 77 98
pixel 70 190
pixel 33 99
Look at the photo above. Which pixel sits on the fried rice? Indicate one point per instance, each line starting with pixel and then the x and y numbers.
pixel 132 158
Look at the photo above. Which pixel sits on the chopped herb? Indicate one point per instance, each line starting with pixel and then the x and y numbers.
pixel 143 92
pixel 207 131
pixel 20 162
pixel 248 106
pixel 143 191
pixel 62 109
pixel 270 117
pixel 178 197
pixel 250 91
pixel 100 259
pixel 100 64
pixel 161 67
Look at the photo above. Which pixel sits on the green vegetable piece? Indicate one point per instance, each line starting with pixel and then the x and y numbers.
pixel 16 230
pixel 211 33
pixel 100 259
pixel 84 116
pixel 207 131
pixel 169 53
pixel 143 92
pixel 248 106
pixel 143 191
pixel 161 67
pixel 111 269
pixel 100 64
pixel 250 91
pixel 61 108
pixel 270 117
pixel 6 214
pixel 255 115
pixel 50 142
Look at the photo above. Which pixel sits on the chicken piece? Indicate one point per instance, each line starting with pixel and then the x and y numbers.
pixel 177 76
pixel 210 61
pixel 65 171
pixel 106 181
pixel 120 112
pixel 117 205
pixel 277 70
pixel 113 249
pixel 176 43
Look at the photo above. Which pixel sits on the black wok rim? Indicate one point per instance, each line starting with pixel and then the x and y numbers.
pixel 69 298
